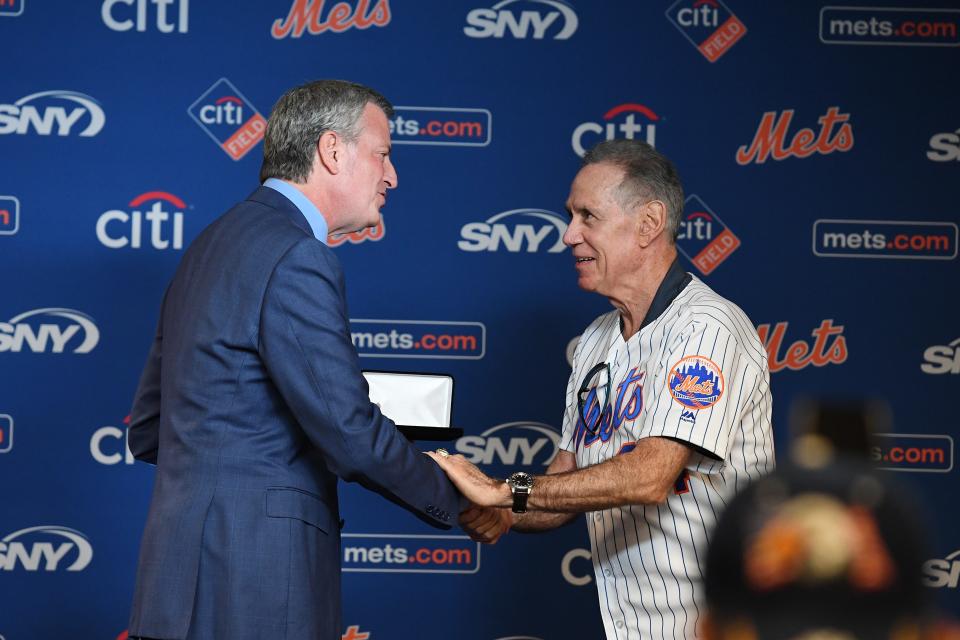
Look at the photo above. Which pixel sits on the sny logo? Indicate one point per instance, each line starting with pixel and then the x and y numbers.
pixel 9 215
pixel 42 549
pixel 46 109
pixel 6 432
pixel 771 137
pixel 139 9
pixel 11 8
pixel 488 236
pixel 373 234
pixel 800 355
pixel 628 128
pixel 532 445
pixel 49 336
pixel 703 237
pixel 305 15
pixel 132 223
pixel 939 573
pixel 708 24
pixel 940 359
pixel 944 147
pixel 496 21
pixel 228 118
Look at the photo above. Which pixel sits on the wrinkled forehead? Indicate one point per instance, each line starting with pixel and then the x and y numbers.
pixel 595 184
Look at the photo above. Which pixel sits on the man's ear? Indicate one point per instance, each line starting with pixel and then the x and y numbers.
pixel 330 151
pixel 651 221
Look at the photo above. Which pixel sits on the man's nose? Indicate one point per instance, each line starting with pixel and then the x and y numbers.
pixel 390 175
pixel 572 235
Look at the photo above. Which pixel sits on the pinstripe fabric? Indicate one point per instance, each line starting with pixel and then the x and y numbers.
pixel 648 559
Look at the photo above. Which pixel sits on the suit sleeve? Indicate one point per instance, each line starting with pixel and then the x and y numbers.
pixel 306 347
pixel 144 431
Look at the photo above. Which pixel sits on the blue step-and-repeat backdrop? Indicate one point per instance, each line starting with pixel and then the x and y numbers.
pixel 819 147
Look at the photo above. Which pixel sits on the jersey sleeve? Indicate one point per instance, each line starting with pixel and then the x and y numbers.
pixel 699 390
pixel 569 423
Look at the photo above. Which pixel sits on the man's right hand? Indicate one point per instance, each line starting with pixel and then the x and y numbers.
pixel 486 524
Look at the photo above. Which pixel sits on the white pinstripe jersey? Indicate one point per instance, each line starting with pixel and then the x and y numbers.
pixel 695 372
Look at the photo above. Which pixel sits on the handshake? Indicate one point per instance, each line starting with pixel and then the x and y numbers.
pixel 489 515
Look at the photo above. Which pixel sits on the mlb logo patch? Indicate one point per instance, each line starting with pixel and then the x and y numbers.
pixel 703 238
pixel 708 24
pixel 696 382
pixel 9 215
pixel 228 118
pixel 6 433
pixel 11 7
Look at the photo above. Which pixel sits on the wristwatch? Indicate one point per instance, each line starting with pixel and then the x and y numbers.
pixel 521 486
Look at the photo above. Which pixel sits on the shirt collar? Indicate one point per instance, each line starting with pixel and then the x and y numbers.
pixel 670 287
pixel 318 224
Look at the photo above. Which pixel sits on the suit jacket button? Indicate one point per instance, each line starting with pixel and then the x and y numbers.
pixel 430 508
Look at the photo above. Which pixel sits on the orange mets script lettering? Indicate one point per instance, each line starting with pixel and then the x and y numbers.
pixel 305 15
pixel 771 137
pixel 692 384
pixel 800 355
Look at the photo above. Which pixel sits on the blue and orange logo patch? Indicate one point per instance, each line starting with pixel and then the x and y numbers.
pixel 696 382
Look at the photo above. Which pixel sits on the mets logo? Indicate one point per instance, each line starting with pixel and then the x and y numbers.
pixel 696 382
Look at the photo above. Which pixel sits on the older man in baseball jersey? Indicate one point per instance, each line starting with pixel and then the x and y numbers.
pixel 668 406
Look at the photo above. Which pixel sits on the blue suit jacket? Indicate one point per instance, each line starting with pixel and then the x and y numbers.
pixel 251 404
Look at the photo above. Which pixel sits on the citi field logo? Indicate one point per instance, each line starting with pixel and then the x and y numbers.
pixel 9 215
pixel 441 126
pixel 11 8
pixel 770 140
pixel 308 15
pixel 618 122
pixel 373 234
pixel 62 328
pixel 708 25
pixel 945 147
pixel 6 433
pixel 703 238
pixel 57 112
pixel 942 359
pixel 530 445
pixel 397 553
pixel 912 452
pixel 555 17
pixel 945 573
pixel 160 225
pixel 829 347
pixel 45 548
pixel 133 14
pixel 109 446
pixel 517 230
pixel 228 118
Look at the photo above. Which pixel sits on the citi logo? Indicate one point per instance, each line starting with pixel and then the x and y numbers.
pixel 133 15
pixel 54 112
pixel 117 229
pixel 71 327
pixel 528 444
pixel 770 140
pixel 940 359
pixel 305 15
pixel 109 446
pixel 45 548
pixel 944 147
pixel 230 120
pixel 938 574
pixel 709 25
pixel 515 236
pixel 498 20
pixel 373 234
pixel 610 128
pixel 224 110
pixel 703 238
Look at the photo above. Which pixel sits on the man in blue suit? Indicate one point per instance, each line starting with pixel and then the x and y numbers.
pixel 252 403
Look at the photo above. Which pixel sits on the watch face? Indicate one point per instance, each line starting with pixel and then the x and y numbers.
pixel 521 480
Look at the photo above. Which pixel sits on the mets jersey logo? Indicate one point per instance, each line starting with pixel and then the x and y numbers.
pixel 696 382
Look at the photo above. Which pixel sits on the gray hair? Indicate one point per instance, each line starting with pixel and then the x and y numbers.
pixel 648 175
pixel 305 113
